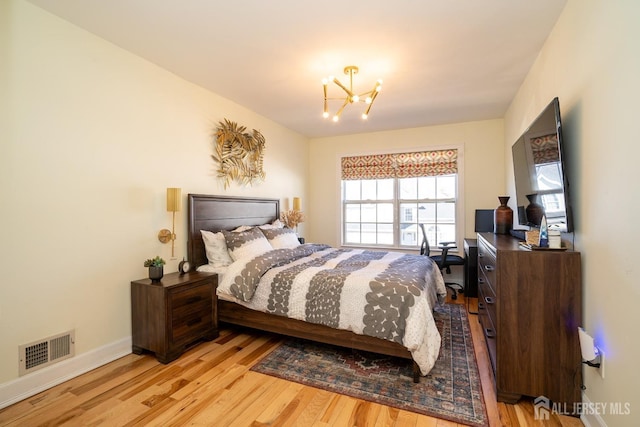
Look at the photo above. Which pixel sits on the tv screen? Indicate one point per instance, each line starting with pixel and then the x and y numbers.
pixel 542 187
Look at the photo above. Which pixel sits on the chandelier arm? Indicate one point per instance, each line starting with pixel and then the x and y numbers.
pixel 373 98
pixel 346 102
pixel 336 81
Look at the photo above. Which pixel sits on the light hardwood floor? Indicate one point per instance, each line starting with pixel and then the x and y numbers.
pixel 211 385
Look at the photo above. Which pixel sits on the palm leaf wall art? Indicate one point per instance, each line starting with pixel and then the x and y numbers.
pixel 239 154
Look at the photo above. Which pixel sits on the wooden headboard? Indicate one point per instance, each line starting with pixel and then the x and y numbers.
pixel 215 213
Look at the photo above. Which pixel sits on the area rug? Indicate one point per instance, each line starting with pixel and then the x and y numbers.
pixel 451 391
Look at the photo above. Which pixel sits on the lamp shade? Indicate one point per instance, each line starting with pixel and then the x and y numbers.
pixel 296 203
pixel 173 199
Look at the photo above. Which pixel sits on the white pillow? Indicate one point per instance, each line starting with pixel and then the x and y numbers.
pixel 246 244
pixel 281 238
pixel 215 247
pixel 242 228
pixel 275 224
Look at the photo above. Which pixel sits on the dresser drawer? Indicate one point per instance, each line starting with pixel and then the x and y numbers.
pixel 488 300
pixel 488 326
pixel 487 266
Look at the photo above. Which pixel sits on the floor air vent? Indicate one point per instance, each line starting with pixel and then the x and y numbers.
pixel 46 352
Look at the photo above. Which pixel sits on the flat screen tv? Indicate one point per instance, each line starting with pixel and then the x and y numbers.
pixel 542 187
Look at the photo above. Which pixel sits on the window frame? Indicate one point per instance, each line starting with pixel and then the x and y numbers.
pixel 459 202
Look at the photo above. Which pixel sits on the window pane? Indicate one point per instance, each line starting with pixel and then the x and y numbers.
pixel 408 212
pixel 385 213
pixel 368 233
pixel 368 212
pixel 410 235
pixel 408 188
pixel 446 233
pixel 385 189
pixel 352 233
pixel 427 188
pixel 446 212
pixel 369 189
pixel 352 213
pixel 426 212
pixel 351 190
pixel 385 234
pixel 446 187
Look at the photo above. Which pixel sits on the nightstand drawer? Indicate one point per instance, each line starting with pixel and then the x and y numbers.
pixel 192 324
pixel 185 301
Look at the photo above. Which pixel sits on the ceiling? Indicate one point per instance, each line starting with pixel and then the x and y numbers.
pixel 442 61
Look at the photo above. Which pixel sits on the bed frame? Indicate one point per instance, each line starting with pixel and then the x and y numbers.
pixel 216 213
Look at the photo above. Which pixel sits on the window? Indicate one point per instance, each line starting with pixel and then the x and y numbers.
pixel 385 197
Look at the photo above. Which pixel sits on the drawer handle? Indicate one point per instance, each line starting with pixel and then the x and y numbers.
pixel 489 300
pixel 480 306
pixel 480 255
pixel 194 321
pixel 481 280
pixel 193 299
pixel 488 267
pixel 490 333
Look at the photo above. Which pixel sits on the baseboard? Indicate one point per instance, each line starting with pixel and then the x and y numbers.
pixel 21 388
pixel 591 419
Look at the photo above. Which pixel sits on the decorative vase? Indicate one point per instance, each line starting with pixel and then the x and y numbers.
pixel 156 273
pixel 502 217
pixel 534 211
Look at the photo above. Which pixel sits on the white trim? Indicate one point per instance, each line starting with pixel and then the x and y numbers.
pixel 21 388
pixel 591 420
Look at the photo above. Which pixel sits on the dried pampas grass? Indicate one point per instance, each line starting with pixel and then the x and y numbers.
pixel 292 218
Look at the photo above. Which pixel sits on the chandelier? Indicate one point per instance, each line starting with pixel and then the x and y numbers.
pixel 351 97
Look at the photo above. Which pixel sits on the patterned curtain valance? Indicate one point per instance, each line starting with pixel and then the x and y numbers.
pixel 545 149
pixel 400 165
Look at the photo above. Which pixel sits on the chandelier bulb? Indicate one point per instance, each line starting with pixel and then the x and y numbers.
pixel 368 100
pixel 355 98
pixel 364 116
pixel 325 114
pixel 336 118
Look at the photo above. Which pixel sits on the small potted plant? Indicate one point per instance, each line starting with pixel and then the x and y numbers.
pixel 156 270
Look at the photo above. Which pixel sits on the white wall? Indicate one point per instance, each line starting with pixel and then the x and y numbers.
pixel 91 136
pixel 483 180
pixel 591 61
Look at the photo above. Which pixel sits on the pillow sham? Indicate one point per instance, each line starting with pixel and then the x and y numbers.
pixel 280 238
pixel 215 246
pixel 246 244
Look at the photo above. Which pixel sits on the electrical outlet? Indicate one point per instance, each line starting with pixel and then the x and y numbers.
pixel 601 368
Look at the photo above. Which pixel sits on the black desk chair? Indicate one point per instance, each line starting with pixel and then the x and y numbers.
pixel 444 260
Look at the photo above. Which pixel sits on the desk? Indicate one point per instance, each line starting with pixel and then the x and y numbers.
pixel 471 268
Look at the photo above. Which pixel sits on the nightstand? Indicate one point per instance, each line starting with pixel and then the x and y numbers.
pixel 169 316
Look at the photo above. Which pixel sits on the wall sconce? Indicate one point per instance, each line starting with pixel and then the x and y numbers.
pixel 296 203
pixel 174 199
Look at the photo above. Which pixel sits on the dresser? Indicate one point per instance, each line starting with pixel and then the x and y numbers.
pixel 529 307
pixel 169 316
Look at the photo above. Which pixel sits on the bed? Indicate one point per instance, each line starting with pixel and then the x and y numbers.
pixel 217 213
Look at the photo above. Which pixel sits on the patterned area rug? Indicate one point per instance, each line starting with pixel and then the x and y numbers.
pixel 451 391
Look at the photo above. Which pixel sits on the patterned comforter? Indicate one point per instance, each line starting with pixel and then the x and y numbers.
pixel 387 295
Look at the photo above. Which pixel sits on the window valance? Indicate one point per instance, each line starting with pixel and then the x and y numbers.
pixel 400 165
pixel 545 149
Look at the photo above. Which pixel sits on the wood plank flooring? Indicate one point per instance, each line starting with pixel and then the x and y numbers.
pixel 211 385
